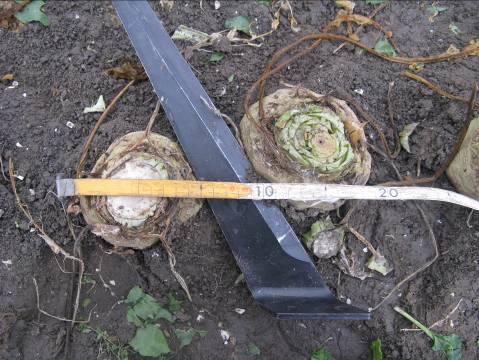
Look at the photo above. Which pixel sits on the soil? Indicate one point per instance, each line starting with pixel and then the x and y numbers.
pixel 60 70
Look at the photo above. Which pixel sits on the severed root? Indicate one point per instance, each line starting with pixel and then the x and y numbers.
pixel 54 247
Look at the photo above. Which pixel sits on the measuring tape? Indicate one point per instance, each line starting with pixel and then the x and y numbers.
pixel 254 191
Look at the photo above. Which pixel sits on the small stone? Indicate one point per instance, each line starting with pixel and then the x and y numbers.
pixel 70 124
pixel 240 311
pixel 2 212
pixel 225 335
pixel 348 301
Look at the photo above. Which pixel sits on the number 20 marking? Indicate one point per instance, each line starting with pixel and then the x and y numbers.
pixel 388 192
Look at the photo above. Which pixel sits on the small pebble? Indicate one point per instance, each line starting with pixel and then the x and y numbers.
pixel 240 311
pixel 19 145
pixel 70 124
pixel 348 301
pixel 225 335
pixel 359 91
pixel 2 212
pixel 217 5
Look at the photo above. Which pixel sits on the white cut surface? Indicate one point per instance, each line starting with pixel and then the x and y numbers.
pixel 132 211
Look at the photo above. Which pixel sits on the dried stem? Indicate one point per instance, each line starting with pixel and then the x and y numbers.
pixel 53 316
pixel 360 27
pixel 435 88
pixel 363 240
pixel 152 119
pixel 54 247
pixel 457 146
pixel 100 120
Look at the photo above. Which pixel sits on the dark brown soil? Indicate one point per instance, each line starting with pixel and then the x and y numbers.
pixel 60 71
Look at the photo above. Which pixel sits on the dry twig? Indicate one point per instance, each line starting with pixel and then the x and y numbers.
pixel 103 116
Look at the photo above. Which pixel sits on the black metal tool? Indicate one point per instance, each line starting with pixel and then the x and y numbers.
pixel 277 269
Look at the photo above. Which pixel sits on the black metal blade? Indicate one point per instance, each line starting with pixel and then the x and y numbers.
pixel 277 269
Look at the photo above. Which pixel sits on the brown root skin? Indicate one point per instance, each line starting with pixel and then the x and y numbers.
pixel 135 144
pixel 274 165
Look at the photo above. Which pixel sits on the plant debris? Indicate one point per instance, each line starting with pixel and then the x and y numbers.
pixel 435 10
pixel 376 350
pixel 186 33
pixel 322 354
pixel 324 238
pixel 186 336
pixel 239 23
pixel 383 46
pixel 454 29
pixel 129 70
pixel 33 12
pixel 379 263
pixel 98 107
pixel 216 57
pixel 450 345
pixel 405 134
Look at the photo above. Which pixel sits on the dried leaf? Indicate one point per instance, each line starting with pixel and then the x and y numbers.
pixel 98 107
pixel 451 50
pixel 294 24
pixel 383 46
pixel 253 350
pixel 167 4
pixel 8 77
pixel 404 135
pixel 189 34
pixel 454 29
pixel 434 11
pixel 416 67
pixel 129 70
pixel 345 4
pixel 217 56
pixel 239 23
pixel 380 264
pixel 33 12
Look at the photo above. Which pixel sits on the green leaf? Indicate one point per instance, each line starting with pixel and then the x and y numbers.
pixel 321 354
pixel 374 2
pixel 135 294
pixel 150 341
pixel 84 328
pixel 253 350
pixel 435 10
pixel 454 29
pixel 404 135
pixel 376 350
pixel 86 302
pixel 186 336
pixel 240 23
pixel 174 304
pixel 144 308
pixel 380 264
pixel 33 12
pixel 231 78
pixel 265 2
pixel 217 56
pixel 449 344
pixel 383 46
